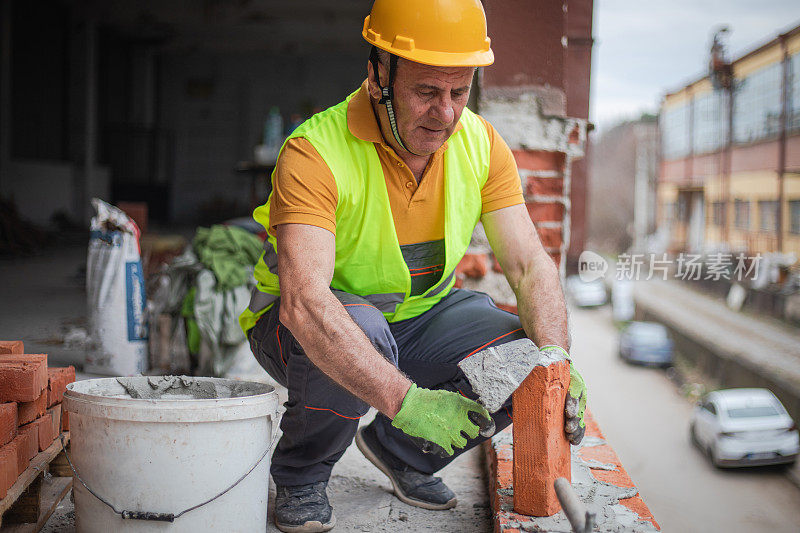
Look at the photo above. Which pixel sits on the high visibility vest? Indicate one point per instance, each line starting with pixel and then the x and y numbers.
pixel 369 262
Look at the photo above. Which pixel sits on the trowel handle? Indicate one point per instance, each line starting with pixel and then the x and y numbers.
pixel 487 429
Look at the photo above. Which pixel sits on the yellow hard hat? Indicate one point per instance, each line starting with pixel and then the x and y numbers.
pixel 445 33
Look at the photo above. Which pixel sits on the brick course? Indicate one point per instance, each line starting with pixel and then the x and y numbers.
pixel 8 422
pixel 8 467
pixel 12 347
pixel 546 211
pixel 58 378
pixel 30 411
pixel 44 428
pixel 22 377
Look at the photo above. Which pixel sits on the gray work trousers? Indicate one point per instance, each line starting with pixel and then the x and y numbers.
pixel 321 417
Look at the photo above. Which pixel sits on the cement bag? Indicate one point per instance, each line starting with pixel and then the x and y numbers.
pixel 115 295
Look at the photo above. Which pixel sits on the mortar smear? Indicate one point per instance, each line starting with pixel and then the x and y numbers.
pixel 496 372
pixel 182 387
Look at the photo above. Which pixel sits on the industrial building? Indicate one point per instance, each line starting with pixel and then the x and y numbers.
pixel 729 176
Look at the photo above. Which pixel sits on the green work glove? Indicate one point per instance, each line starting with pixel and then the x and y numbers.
pixel 440 417
pixel 575 405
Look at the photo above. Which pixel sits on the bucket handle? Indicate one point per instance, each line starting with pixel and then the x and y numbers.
pixel 161 517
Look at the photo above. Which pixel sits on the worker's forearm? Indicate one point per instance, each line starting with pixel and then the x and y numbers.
pixel 338 347
pixel 541 305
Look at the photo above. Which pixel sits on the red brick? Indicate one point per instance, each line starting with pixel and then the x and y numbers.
pixel 544 186
pixel 30 411
pixel 58 378
pixel 541 449
pixel 44 427
pixel 33 434
pixel 8 422
pixel 12 347
pixel 8 467
pixel 23 377
pixel 539 160
pixel 24 442
pixel 550 237
pixel 55 414
pixel 496 265
pixel 472 266
pixel 546 211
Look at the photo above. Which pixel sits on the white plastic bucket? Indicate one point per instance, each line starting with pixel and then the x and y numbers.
pixel 169 454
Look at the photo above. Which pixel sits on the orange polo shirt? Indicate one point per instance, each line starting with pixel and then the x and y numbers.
pixel 304 189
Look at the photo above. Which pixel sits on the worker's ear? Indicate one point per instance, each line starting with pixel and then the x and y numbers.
pixel 374 91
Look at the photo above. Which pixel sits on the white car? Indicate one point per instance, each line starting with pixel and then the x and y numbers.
pixel 744 427
pixel 586 293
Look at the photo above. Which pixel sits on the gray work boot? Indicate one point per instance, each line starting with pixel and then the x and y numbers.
pixel 410 486
pixel 303 508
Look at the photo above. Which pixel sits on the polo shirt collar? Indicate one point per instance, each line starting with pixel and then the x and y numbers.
pixel 361 120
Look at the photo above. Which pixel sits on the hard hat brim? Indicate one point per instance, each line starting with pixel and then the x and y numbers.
pixel 480 58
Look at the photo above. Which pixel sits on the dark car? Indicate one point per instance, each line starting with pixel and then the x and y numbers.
pixel 646 343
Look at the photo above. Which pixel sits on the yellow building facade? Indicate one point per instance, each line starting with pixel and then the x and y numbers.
pixel 729 173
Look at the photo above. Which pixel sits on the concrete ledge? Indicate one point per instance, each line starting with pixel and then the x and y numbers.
pixel 598 478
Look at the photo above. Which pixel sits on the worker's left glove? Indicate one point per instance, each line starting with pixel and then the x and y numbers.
pixel 575 405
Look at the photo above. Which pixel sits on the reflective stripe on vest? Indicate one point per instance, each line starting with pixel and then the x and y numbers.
pixel 368 261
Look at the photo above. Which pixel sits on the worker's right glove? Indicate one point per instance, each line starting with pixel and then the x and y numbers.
pixel 440 417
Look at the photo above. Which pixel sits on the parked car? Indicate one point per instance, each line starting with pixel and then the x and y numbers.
pixel 744 427
pixel 586 293
pixel 646 343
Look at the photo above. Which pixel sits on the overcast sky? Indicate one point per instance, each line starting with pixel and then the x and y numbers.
pixel 645 48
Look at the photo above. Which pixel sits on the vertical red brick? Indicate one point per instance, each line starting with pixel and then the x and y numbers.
pixel 33 437
pixel 541 449
pixel 55 415
pixel 22 377
pixel 58 378
pixel 12 347
pixel 30 411
pixel 8 422
pixel 8 467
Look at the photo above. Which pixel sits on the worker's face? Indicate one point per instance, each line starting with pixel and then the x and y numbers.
pixel 428 102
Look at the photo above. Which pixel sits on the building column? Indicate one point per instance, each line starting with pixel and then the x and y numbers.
pixel 524 96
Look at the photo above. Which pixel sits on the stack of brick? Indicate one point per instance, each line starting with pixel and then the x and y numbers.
pixel 30 408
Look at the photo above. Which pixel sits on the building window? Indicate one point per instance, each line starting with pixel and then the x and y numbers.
pixel 793 91
pixel 767 215
pixel 709 123
pixel 757 104
pixel 794 210
pixel 717 213
pixel 741 214
pixel 674 125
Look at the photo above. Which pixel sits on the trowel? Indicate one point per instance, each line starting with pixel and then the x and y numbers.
pixel 496 372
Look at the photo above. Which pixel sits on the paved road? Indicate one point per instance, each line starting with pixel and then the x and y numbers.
pixel 646 421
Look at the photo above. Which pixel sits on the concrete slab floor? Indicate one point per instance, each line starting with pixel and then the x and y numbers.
pixel 43 297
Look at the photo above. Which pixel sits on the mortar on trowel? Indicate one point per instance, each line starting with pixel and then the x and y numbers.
pixel 496 372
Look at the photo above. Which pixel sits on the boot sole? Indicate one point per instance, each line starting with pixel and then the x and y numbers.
pixel 309 527
pixel 398 491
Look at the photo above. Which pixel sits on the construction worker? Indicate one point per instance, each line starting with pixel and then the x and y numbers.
pixel 373 205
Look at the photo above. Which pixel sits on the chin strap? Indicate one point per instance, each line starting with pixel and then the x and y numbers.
pixel 387 93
